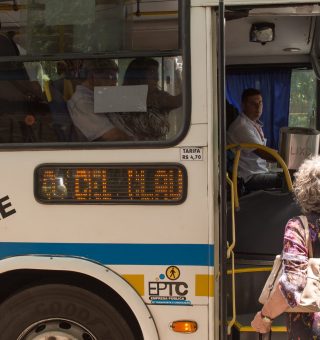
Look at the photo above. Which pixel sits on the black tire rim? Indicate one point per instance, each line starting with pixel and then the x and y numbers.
pixel 56 329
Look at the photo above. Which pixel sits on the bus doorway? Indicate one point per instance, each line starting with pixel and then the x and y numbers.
pixel 271 49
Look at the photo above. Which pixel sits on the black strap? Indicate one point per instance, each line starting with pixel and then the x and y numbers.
pixel 305 224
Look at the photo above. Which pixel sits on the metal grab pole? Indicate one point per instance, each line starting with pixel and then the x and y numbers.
pixel 222 177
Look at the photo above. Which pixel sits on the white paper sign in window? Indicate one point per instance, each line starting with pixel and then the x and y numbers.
pixel 120 98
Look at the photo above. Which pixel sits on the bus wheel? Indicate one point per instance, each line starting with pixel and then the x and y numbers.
pixel 61 312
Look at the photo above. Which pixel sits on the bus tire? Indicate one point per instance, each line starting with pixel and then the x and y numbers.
pixel 61 310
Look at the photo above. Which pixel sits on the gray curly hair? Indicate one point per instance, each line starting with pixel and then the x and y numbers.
pixel 306 186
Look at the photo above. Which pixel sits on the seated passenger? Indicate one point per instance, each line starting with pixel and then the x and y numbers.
pixel 231 114
pixel 95 127
pixel 153 124
pixel 60 90
pixel 20 97
pixel 247 128
pixel 33 68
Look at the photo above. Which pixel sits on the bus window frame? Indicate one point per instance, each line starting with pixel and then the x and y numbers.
pixel 184 51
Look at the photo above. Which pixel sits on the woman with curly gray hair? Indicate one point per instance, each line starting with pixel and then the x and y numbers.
pixel 307 186
pixel 302 326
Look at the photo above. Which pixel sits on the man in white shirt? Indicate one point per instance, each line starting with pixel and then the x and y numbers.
pixel 95 127
pixel 247 128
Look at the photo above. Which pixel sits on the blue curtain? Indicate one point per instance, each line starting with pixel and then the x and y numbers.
pixel 275 88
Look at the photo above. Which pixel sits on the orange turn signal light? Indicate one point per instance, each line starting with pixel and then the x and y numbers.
pixel 184 326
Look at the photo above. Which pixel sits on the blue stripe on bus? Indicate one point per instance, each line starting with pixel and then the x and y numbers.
pixel 132 254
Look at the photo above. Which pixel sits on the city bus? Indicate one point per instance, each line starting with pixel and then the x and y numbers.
pixel 116 204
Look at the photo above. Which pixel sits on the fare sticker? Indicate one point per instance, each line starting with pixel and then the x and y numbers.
pixel 191 153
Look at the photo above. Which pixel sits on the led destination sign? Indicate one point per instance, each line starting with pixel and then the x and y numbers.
pixel 77 183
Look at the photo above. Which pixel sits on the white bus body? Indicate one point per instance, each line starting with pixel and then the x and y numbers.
pixel 161 260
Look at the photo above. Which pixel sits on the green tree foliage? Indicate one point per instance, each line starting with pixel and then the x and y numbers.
pixel 302 98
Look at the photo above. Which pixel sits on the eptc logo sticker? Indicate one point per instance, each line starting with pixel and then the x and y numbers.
pixel 162 291
pixel 173 273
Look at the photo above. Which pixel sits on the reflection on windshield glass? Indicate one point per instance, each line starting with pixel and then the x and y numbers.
pixel 90 26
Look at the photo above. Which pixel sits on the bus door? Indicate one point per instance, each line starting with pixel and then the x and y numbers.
pixel 266 50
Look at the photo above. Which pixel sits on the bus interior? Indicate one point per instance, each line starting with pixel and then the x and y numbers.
pixel 276 50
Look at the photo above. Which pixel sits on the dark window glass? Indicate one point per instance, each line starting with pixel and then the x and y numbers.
pixel 90 26
pixel 67 75
pixel 90 100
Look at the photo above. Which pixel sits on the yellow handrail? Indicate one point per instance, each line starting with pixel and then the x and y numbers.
pixel 231 254
pixel 272 152
pixel 235 204
pixel 233 224
pixel 234 312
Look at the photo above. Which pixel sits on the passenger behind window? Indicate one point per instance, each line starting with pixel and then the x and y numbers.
pixel 20 97
pixel 95 127
pixel 231 114
pixel 34 69
pixel 59 91
pixel 153 124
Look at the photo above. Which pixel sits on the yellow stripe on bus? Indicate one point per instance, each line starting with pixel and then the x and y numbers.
pixel 136 281
pixel 204 285
pixel 242 328
pixel 250 270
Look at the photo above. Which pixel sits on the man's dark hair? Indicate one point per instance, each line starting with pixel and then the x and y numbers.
pixel 91 66
pixel 248 93
pixel 138 70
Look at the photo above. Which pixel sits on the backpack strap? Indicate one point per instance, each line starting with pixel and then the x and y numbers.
pixel 304 222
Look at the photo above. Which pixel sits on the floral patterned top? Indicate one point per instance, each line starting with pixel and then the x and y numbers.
pixel 301 326
pixel 150 125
